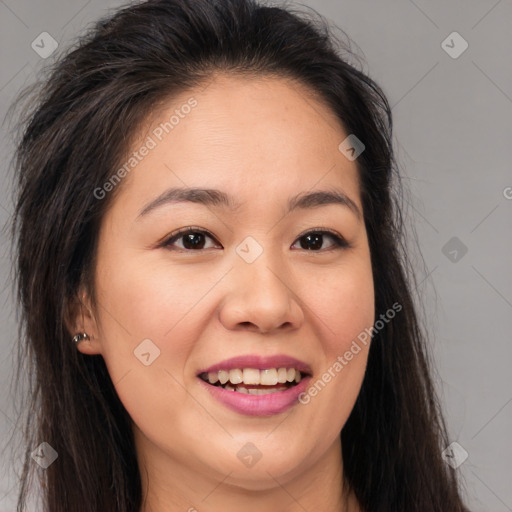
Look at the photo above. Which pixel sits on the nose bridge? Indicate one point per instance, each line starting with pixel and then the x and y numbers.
pixel 261 268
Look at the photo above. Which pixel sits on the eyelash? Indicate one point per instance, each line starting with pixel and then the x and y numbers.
pixel 339 242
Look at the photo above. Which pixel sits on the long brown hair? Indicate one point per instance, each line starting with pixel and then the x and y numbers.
pixel 74 138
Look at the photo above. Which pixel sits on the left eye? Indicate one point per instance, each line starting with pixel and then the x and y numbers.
pixel 315 238
pixel 193 238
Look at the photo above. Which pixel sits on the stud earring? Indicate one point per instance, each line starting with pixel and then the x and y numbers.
pixel 80 336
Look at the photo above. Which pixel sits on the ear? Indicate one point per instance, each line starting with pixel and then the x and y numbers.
pixel 80 318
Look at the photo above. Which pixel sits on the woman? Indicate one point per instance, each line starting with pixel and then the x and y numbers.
pixel 212 277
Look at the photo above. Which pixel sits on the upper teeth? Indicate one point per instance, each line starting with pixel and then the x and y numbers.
pixel 253 376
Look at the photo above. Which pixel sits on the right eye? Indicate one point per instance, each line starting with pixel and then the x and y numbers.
pixel 193 239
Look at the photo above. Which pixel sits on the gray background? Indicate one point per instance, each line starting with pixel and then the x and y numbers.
pixel 453 142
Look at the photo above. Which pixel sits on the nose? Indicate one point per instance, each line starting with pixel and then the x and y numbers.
pixel 261 298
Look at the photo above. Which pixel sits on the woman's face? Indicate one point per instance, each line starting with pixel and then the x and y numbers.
pixel 243 284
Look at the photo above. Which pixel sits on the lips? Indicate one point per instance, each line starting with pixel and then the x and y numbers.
pixel 256 370
pixel 257 385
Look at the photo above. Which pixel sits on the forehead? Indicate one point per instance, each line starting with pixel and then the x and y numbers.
pixel 259 139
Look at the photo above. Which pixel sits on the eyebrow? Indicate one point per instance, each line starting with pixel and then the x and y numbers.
pixel 218 199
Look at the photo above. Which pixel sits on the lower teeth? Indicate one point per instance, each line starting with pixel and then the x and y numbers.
pixel 254 391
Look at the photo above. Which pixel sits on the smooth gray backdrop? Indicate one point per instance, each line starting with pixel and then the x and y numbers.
pixel 452 113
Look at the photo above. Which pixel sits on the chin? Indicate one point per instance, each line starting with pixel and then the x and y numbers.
pixel 260 475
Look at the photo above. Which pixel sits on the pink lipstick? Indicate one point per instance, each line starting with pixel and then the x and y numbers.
pixel 255 385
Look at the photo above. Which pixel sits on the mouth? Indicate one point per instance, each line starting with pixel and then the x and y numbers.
pixel 256 386
pixel 253 381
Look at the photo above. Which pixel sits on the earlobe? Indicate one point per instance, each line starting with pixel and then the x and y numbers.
pixel 86 344
pixel 82 326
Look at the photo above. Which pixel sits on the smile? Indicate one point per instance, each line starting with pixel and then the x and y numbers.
pixel 256 386
pixel 253 381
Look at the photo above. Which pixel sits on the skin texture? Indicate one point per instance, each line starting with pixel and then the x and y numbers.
pixel 260 140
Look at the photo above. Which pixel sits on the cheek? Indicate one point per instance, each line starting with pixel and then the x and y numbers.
pixel 146 340
pixel 345 307
pixel 151 300
pixel 344 302
pixel 151 318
